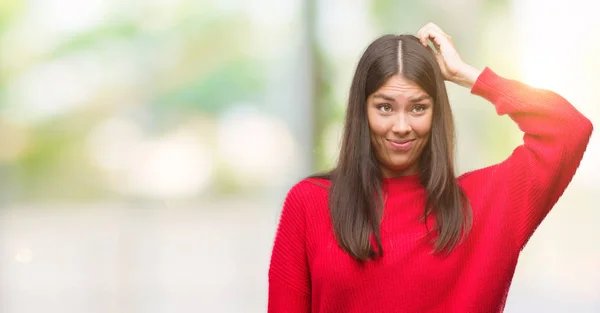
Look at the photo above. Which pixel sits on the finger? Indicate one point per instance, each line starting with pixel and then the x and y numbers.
pixel 421 30
pixel 437 29
pixel 420 36
pixel 431 50
pixel 437 37
pixel 434 27
pixel 433 32
pixel 426 36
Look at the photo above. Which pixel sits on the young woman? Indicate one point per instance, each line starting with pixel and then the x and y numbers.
pixel 391 228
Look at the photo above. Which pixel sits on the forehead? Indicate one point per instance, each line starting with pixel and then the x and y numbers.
pixel 400 87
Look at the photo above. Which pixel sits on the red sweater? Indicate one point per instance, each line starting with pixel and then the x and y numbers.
pixel 310 273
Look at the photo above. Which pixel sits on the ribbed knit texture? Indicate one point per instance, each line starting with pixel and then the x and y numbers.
pixel 309 272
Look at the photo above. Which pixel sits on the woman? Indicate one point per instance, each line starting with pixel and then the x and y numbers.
pixel 391 229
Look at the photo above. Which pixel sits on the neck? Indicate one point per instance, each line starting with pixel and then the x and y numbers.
pixel 391 173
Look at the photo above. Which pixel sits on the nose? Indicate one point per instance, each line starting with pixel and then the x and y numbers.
pixel 401 126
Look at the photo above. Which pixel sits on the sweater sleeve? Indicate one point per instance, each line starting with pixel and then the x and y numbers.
pixel 554 141
pixel 289 278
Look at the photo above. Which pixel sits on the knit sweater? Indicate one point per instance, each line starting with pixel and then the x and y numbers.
pixel 309 272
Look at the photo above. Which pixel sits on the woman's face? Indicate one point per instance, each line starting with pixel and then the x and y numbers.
pixel 400 115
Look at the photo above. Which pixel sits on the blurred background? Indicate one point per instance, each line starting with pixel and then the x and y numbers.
pixel 146 146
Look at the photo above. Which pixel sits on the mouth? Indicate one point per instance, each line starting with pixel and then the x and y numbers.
pixel 401 144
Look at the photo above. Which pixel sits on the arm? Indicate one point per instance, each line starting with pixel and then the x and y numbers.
pixel 556 135
pixel 554 141
pixel 289 278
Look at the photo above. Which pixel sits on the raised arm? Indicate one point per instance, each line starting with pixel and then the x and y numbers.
pixel 554 141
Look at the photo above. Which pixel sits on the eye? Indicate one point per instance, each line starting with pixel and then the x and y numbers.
pixel 385 108
pixel 419 108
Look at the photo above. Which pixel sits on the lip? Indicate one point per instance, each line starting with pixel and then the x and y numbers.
pixel 401 145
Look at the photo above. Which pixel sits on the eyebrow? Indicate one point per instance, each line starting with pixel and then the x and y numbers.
pixel 382 96
pixel 413 100
pixel 419 99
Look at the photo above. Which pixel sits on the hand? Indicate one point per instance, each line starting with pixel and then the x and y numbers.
pixel 452 66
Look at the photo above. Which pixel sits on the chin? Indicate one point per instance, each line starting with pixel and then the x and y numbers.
pixel 400 167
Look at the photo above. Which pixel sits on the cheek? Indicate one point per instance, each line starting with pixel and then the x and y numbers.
pixel 422 126
pixel 378 125
pixel 378 128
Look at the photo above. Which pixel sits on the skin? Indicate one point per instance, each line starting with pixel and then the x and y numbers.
pixel 400 111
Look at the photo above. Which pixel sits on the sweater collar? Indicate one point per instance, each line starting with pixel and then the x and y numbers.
pixel 401 183
pixel 409 182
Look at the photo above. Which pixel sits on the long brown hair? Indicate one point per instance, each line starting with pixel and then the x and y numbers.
pixel 355 196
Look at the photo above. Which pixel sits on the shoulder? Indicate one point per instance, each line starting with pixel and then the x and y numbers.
pixel 307 195
pixel 477 180
pixel 309 189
